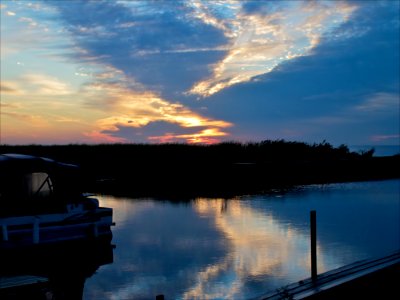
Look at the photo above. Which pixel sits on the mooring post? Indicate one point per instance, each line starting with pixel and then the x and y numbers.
pixel 160 297
pixel 313 231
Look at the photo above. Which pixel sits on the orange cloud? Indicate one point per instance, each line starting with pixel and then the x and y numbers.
pixel 8 87
pixel 33 120
pixel 128 108
pixel 36 84
pixel 99 137
pixel 206 136
pixel 46 85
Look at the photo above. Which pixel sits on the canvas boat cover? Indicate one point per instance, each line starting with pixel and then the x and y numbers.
pixel 29 183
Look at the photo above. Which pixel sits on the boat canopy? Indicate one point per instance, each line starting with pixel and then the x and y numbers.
pixel 25 163
pixel 29 183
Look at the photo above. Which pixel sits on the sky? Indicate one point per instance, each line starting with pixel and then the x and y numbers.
pixel 199 71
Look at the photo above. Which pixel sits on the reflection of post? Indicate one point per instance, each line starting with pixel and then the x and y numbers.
pixel 36 231
pixel 313 227
pixel 4 232
pixel 224 205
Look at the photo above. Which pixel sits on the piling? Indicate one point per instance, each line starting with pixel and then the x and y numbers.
pixel 313 232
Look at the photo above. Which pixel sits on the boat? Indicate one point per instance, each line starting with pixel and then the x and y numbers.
pixel 42 203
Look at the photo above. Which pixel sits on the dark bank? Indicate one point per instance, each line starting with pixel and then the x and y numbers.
pixel 224 169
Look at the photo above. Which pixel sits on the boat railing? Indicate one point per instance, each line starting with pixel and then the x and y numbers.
pixel 20 221
pixel 34 222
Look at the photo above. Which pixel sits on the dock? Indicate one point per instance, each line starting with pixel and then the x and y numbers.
pixel 367 279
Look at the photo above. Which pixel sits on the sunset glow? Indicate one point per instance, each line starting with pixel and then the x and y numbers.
pixel 204 72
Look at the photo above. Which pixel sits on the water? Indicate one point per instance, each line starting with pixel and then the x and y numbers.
pixel 380 150
pixel 242 247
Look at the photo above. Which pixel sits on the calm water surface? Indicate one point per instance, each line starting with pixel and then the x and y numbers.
pixel 242 247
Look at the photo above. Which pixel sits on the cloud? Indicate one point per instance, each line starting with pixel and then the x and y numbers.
pixel 45 85
pixel 375 119
pixel 63 119
pixel 29 21
pixel 34 31
pixel 204 136
pixel 373 106
pixel 32 120
pixel 383 138
pixel 145 67
pixel 128 108
pixel 275 69
pixel 163 47
pixel 273 33
pixel 100 137
pixel 9 87
pixel 212 13
pixel 340 78
pixel 37 113
pixel 380 102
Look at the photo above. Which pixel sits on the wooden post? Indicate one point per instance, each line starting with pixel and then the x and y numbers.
pixel 160 297
pixel 313 231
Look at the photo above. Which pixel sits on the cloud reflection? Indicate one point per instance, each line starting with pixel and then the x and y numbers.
pixel 242 247
pixel 259 249
pixel 262 247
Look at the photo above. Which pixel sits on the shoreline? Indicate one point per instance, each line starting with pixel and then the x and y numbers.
pixel 231 182
pixel 220 170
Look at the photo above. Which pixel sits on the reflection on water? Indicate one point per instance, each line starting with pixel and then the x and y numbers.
pixel 240 248
pixel 259 247
pixel 51 271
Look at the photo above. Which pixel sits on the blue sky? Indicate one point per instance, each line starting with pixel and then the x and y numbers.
pixel 200 71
